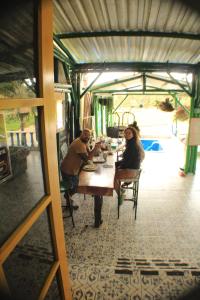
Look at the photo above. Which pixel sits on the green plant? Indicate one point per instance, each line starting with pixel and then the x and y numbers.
pixel 166 105
pixel 181 114
pixel 13 122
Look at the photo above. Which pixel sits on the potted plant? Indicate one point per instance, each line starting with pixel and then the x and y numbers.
pixel 166 105
pixel 181 114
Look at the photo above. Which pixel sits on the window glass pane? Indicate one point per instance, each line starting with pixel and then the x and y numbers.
pixel 29 264
pixel 53 292
pixel 21 176
pixel 18 49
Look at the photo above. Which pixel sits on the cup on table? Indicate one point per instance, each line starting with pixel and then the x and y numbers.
pixel 105 156
pixel 109 146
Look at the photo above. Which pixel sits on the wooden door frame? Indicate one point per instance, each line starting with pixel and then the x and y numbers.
pixel 52 201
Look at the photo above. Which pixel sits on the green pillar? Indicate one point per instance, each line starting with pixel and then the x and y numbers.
pixel 77 110
pixel 95 104
pixel 191 151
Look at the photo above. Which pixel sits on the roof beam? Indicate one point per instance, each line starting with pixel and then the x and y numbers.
pixel 152 90
pixel 147 93
pixel 135 67
pixel 180 84
pixel 114 82
pixel 164 80
pixel 58 54
pixel 90 85
pixel 64 49
pixel 86 34
pixel 120 103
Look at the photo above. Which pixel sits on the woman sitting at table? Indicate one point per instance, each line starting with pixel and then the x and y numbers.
pixel 132 157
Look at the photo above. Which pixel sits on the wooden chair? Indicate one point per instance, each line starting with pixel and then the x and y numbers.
pixel 64 189
pixel 130 184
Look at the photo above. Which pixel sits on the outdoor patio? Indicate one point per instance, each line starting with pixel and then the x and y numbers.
pixel 154 257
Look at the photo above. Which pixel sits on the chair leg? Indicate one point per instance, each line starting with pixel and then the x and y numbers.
pixel 136 198
pixel 118 204
pixel 68 202
pixel 135 188
pixel 119 199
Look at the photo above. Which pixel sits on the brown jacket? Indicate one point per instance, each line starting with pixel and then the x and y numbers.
pixel 72 162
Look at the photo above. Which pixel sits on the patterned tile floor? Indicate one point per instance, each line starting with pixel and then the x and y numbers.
pixel 155 257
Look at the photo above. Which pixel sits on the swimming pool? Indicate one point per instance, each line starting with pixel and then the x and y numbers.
pixel 151 145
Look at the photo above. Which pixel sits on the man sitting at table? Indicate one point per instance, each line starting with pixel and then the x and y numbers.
pixel 77 155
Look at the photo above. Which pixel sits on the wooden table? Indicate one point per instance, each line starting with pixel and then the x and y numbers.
pixel 98 183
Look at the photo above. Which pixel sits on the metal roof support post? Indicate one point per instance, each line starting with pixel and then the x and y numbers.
pixel 64 49
pixel 144 83
pixel 175 102
pixel 95 102
pixel 69 78
pixel 101 106
pixel 77 105
pixel 66 72
pixel 59 55
pixel 56 69
pixel 99 116
pixel 73 112
pixel 106 114
pixel 191 152
pixel 120 104
pixel 90 85
pixel 180 84
pixel 109 108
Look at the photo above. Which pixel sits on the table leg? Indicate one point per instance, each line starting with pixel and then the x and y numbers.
pixel 98 202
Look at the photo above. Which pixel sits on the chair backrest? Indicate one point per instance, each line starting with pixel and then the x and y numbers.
pixel 62 153
pixel 63 150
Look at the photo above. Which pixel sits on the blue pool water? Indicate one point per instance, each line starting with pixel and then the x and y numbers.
pixel 151 145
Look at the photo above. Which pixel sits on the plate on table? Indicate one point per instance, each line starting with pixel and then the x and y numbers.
pixel 98 159
pixel 107 166
pixel 90 168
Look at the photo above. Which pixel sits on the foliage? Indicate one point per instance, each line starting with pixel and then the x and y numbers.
pixel 181 114
pixel 166 105
pixel 16 89
pixel 13 121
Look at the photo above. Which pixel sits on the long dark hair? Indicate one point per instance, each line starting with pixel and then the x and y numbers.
pixel 135 135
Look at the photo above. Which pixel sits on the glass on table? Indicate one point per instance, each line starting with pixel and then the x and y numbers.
pixel 105 154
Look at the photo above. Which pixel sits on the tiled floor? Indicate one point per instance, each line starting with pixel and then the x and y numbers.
pixel 155 257
pixel 116 261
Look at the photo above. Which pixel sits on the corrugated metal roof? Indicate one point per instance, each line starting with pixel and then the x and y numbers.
pixel 138 49
pixel 95 15
pixel 150 16
pixel 17 55
pixel 137 31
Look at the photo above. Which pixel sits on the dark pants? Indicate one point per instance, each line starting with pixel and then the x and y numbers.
pixel 71 182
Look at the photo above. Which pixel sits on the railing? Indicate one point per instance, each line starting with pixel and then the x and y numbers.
pixel 23 138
